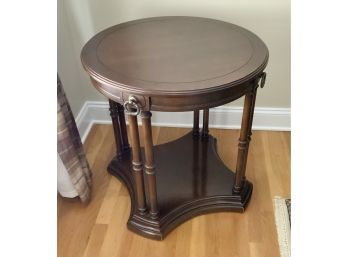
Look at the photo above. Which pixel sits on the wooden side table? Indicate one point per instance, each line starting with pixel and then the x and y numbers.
pixel 176 64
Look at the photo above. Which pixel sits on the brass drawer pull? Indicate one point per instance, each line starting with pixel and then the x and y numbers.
pixel 263 79
pixel 131 106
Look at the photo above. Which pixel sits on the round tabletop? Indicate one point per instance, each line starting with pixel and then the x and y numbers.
pixel 174 55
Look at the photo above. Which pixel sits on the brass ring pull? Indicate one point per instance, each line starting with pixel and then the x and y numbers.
pixel 263 79
pixel 131 106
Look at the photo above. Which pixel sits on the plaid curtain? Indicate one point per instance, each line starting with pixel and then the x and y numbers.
pixel 70 148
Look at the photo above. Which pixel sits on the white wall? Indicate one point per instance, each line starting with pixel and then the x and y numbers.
pixel 74 30
pixel 269 19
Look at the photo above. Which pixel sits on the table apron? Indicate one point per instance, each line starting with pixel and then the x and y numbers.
pixel 177 103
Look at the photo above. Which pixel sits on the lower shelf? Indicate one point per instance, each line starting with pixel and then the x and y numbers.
pixel 191 180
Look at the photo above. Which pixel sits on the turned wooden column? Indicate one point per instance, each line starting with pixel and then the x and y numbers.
pixel 123 128
pixel 195 131
pixel 116 126
pixel 196 167
pixel 250 130
pixel 119 126
pixel 150 175
pixel 137 166
pixel 244 139
pixel 203 169
pixel 205 130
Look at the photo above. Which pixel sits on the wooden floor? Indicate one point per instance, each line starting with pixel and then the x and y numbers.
pixel 99 229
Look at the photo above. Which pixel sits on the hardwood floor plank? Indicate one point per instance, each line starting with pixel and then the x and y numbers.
pixel 116 228
pixel 241 234
pixel 95 240
pixel 277 164
pixel 183 236
pixel 137 246
pixel 212 235
pixel 109 202
pixel 225 233
pixel 198 236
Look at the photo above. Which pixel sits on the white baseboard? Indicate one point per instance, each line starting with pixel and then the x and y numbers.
pixel 226 117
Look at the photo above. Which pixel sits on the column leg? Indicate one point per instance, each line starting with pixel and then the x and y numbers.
pixel 196 168
pixel 150 175
pixel 244 139
pixel 250 131
pixel 116 126
pixel 123 128
pixel 205 130
pixel 204 164
pixel 195 131
pixel 137 164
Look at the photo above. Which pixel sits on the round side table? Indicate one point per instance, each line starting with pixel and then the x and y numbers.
pixel 176 64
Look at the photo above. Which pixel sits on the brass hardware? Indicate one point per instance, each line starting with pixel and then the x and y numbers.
pixel 131 106
pixel 263 79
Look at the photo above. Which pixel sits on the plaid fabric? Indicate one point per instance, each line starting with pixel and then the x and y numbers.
pixel 70 148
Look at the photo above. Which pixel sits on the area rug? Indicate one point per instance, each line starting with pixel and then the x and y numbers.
pixel 282 212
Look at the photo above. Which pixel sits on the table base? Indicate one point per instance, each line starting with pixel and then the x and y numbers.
pixel 191 180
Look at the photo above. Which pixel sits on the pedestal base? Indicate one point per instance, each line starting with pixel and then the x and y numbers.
pixel 191 180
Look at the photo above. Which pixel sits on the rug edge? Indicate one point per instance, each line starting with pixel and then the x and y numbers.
pixel 282 226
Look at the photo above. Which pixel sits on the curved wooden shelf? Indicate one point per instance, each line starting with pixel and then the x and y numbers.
pixel 191 180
